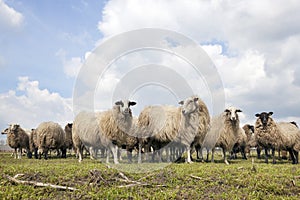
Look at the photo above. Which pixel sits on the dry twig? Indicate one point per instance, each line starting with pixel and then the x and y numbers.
pixel 39 184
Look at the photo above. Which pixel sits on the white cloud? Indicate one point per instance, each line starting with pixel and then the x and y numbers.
pixel 254 44
pixel 9 17
pixel 29 105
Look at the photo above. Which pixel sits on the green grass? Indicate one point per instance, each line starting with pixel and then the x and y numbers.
pixel 240 180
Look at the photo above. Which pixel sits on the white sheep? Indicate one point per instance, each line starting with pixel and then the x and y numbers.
pixel 277 136
pixel 170 125
pixel 50 135
pixel 224 132
pixel 108 129
pixel 18 139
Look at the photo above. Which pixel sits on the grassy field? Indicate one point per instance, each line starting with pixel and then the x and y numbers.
pixel 242 179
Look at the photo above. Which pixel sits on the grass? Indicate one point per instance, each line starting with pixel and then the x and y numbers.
pixel 94 180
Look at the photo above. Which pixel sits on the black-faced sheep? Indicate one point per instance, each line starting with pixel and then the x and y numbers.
pixel 50 135
pixel 18 139
pixel 169 125
pixel 277 136
pixel 109 129
pixel 224 132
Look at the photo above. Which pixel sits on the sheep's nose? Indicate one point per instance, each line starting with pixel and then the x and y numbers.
pixel 183 111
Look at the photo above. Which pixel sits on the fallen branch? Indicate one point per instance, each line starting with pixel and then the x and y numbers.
pixel 196 177
pixel 39 184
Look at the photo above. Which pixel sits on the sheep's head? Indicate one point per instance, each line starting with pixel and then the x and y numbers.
pixel 294 123
pixel 69 126
pixel 124 106
pixel 13 127
pixel 189 105
pixel 232 113
pixel 5 131
pixel 264 117
pixel 251 128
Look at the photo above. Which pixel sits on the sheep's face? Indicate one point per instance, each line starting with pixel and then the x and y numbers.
pixel 189 105
pixel 264 117
pixel 13 128
pixel 232 113
pixel 5 131
pixel 125 106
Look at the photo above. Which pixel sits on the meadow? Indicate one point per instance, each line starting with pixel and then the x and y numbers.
pixel 91 179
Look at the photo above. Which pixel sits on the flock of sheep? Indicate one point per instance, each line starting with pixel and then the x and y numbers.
pixel 158 129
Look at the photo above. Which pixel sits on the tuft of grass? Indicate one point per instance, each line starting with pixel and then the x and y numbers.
pixel 242 179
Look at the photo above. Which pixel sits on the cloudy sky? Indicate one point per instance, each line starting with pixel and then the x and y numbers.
pixel 254 45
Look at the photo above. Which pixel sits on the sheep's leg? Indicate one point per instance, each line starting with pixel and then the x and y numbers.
pixel 107 155
pixel 36 153
pixel 273 156
pixel 212 155
pixel 153 155
pixel 243 152
pixel 114 150
pixel 159 152
pixel 46 154
pixel 258 152
pixel 92 153
pixel 20 153
pixel 207 155
pixel 140 153
pixel 188 151
pixel 296 156
pixel 15 154
pixel 225 158
pixel 119 154
pixel 129 155
pixel 79 153
pixel 292 155
pixel 266 155
pixel 168 149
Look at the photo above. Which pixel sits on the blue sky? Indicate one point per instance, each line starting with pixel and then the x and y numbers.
pixel 255 46
pixel 47 28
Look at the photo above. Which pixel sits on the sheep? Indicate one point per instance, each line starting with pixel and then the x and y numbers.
pixel 50 135
pixel 170 125
pixel 108 129
pixel 224 132
pixel 277 136
pixel 18 138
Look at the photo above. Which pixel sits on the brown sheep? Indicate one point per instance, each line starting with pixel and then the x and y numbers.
pixel 18 139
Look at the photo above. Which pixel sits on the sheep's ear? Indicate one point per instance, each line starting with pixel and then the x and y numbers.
pixel 119 103
pixel 196 99
pixel 181 102
pixel 257 115
pixel 270 113
pixel 226 110
pixel 239 110
pixel 132 103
